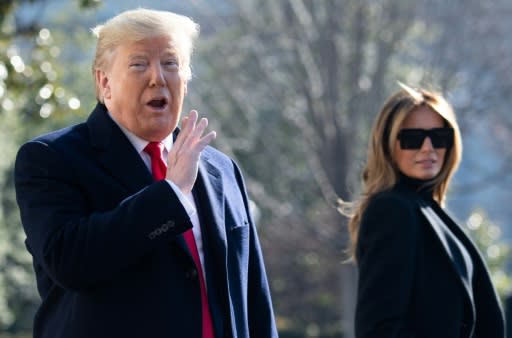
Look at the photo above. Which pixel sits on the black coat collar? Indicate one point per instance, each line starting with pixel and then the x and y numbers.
pixel 115 152
pixel 423 188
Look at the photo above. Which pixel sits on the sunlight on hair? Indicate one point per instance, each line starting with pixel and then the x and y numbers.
pixel 411 91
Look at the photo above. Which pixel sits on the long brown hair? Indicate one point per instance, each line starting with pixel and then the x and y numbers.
pixel 381 172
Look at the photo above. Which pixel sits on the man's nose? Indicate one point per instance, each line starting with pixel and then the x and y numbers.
pixel 157 75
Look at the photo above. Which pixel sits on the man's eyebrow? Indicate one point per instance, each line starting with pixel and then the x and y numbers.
pixel 137 55
pixel 171 52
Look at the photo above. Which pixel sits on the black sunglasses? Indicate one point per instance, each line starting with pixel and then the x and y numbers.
pixel 413 138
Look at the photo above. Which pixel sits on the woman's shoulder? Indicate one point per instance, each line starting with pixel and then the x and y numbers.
pixel 391 215
pixel 393 198
pixel 392 206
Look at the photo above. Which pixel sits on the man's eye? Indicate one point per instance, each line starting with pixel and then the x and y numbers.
pixel 137 65
pixel 171 63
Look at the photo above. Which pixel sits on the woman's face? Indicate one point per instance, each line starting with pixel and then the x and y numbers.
pixel 426 162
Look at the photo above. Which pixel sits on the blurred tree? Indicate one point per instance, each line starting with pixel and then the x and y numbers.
pixel 295 86
pixel 470 57
pixel 32 100
pixel 489 239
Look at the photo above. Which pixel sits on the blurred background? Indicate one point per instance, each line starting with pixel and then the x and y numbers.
pixel 292 88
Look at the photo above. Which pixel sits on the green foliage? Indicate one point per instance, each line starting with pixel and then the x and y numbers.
pixel 495 251
pixel 33 99
pixel 17 335
pixel 89 3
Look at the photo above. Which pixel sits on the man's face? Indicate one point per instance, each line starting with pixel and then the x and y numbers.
pixel 143 87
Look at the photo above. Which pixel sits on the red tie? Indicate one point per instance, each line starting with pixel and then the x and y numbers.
pixel 159 168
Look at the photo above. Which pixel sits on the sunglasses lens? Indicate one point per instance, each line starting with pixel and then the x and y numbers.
pixel 414 138
pixel 411 138
pixel 441 137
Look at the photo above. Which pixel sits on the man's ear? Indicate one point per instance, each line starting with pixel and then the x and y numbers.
pixel 102 84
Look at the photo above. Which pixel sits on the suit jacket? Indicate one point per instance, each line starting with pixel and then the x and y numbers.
pixel 411 283
pixel 107 248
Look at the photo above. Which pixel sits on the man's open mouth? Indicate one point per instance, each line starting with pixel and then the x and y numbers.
pixel 158 103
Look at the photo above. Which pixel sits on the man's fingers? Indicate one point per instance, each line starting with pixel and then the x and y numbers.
pixel 206 139
pixel 187 125
pixel 200 127
pixel 191 120
pixel 200 141
pixel 191 139
pixel 184 122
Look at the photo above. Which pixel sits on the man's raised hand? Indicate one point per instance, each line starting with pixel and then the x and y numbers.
pixel 183 160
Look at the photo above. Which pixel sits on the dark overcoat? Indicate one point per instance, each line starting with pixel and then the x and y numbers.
pixel 410 282
pixel 107 244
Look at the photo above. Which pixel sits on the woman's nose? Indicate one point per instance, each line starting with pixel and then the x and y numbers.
pixel 427 144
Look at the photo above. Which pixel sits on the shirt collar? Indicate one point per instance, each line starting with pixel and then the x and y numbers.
pixel 139 143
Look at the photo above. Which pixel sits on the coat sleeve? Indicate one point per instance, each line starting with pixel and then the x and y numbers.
pixel 78 247
pixel 489 313
pixel 260 312
pixel 386 253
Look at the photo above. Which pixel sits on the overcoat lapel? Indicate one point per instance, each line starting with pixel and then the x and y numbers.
pixel 208 191
pixel 211 192
pixel 115 152
pixel 436 224
pixel 210 179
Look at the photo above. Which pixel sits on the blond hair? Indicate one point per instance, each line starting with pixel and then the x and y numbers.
pixel 139 24
pixel 381 172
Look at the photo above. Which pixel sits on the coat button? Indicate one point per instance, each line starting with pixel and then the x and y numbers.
pixel 192 273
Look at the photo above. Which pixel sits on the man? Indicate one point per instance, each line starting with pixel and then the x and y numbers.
pixel 137 229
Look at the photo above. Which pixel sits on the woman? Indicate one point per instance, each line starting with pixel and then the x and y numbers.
pixel 419 274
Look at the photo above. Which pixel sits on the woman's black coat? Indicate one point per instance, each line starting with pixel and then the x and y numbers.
pixel 408 282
